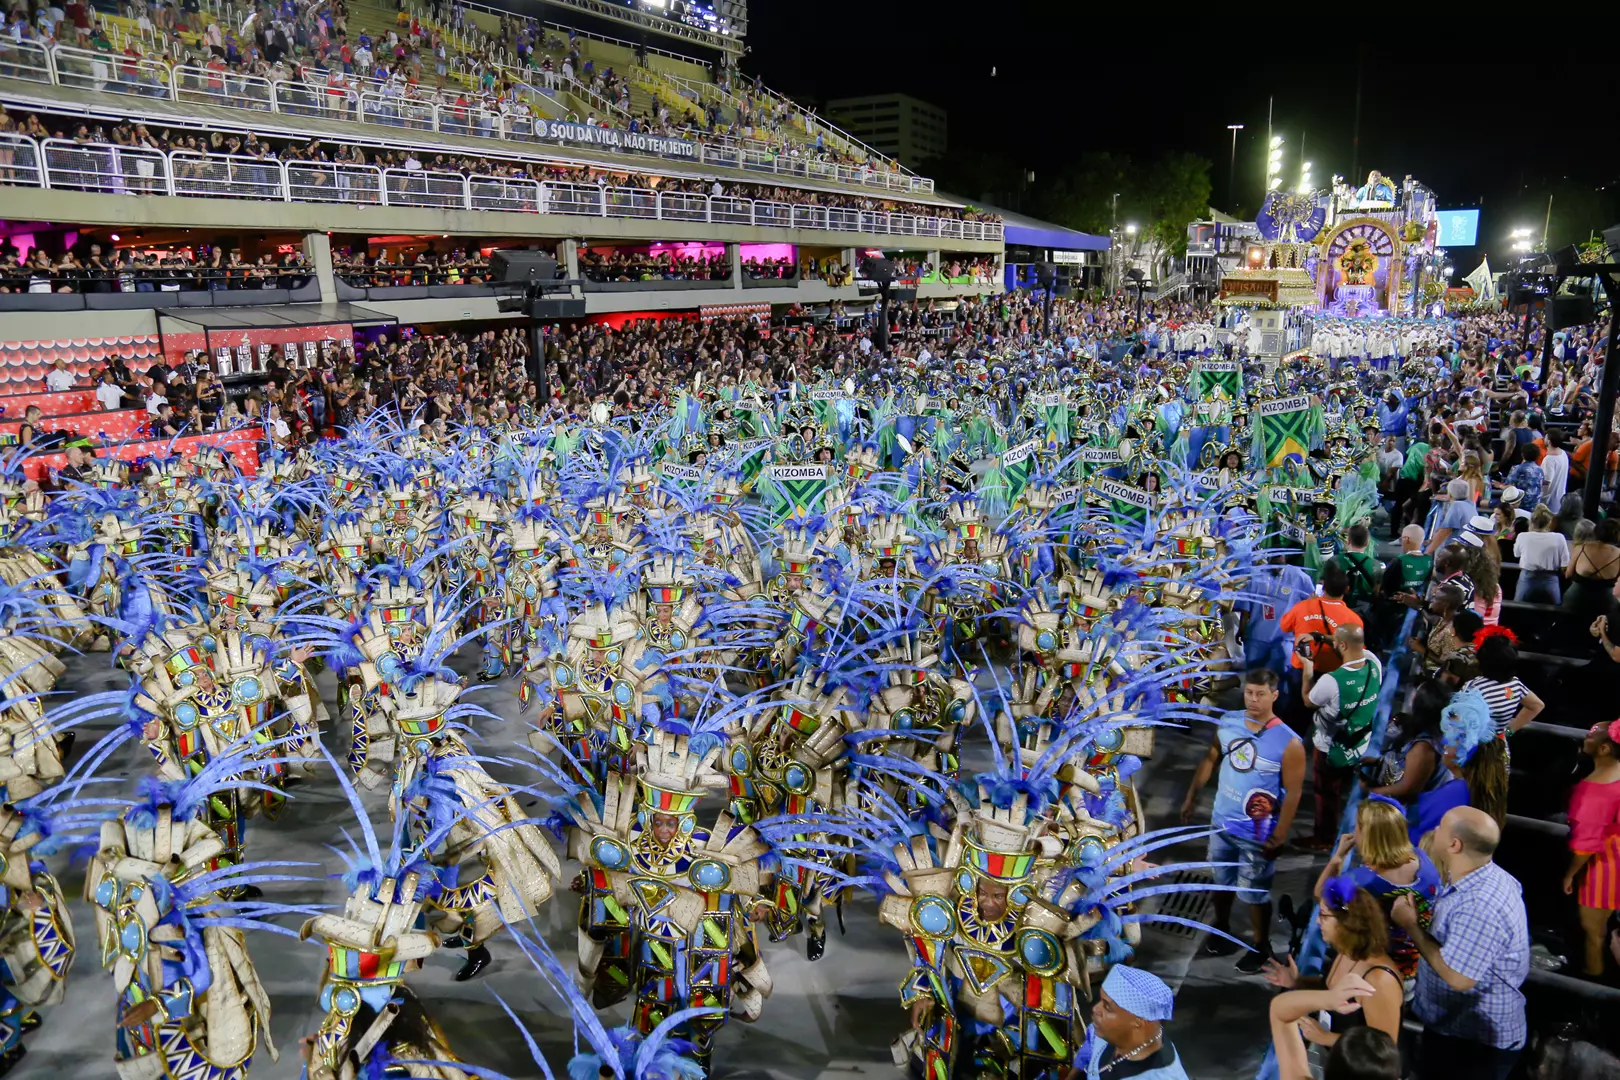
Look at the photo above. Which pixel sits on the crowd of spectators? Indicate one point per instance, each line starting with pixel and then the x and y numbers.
pixel 137 174
pixel 621 264
pixel 484 84
pixel 91 268
pixel 457 266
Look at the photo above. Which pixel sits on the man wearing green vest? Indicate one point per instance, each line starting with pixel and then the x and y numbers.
pixel 1346 699
pixel 1363 568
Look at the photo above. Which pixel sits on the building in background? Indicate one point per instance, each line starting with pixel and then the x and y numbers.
pixel 897 125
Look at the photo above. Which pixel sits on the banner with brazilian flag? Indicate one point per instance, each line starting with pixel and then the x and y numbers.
pixel 1217 380
pixel 1128 504
pixel 799 488
pixel 749 459
pixel 1016 464
pixel 1287 429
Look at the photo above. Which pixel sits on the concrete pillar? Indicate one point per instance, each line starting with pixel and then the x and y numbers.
pixel 734 257
pixel 570 257
pixel 318 254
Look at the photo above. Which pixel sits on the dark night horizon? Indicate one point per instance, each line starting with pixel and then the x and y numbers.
pixel 1456 109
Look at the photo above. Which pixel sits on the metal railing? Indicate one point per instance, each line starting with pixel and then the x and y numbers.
pixel 26 60
pixel 69 165
pixel 20 161
pixel 375 102
pixel 210 86
pixel 110 73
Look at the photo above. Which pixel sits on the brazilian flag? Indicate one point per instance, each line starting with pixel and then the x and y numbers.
pixel 1016 464
pixel 800 488
pixel 750 459
pixel 1128 504
pixel 1216 380
pixel 1287 429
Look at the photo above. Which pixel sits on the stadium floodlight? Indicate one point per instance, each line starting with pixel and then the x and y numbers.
pixel 1449 270
pixel 1518 234
pixel 1130 229
pixel 1522 245
pixel 1276 141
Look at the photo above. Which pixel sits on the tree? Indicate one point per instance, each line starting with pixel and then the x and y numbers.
pixel 1161 199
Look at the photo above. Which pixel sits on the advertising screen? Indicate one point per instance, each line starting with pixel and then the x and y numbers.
pixel 1458 228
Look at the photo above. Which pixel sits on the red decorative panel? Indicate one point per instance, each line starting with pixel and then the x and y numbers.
pixel 105 427
pixel 24 364
pixel 239 444
pixel 13 406
pixel 176 344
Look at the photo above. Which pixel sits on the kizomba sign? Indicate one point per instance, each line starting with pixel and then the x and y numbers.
pixel 1016 464
pixel 1129 504
pixel 638 142
pixel 1265 288
pixel 802 486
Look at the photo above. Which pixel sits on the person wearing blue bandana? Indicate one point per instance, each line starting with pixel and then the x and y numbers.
pixel 1126 1038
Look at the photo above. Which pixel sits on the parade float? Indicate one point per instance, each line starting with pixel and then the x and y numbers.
pixel 1350 252
pixel 1347 252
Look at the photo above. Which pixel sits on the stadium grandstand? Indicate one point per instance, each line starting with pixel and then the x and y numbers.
pixel 622 140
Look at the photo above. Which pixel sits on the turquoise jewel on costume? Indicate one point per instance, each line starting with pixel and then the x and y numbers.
pixel 1040 952
pixel 346 1000
pixel 933 916
pixel 1046 641
pixel 740 762
pixel 622 694
pixel 185 714
pixel 564 675
pixel 610 854
pixel 677 640
pixel 710 875
pixel 1110 740
pixel 798 779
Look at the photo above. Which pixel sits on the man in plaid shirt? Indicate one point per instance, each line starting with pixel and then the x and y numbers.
pixel 1476 955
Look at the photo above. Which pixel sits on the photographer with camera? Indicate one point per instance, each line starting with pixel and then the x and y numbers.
pixel 1346 700
pixel 1312 621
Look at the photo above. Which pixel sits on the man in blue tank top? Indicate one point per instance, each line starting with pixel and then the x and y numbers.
pixel 1262 774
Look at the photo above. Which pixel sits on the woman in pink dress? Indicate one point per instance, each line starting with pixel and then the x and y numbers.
pixel 1594 841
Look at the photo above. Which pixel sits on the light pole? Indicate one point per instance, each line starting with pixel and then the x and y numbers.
pixel 1231 169
pixel 1113 234
pixel 1274 156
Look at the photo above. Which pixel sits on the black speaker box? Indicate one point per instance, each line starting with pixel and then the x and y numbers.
pixel 1572 310
pixel 523 266
pixel 558 309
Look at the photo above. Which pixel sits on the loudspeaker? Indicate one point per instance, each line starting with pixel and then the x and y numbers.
pixel 879 271
pixel 1045 274
pixel 523 266
pixel 1573 309
pixel 1611 237
pixel 1566 256
pixel 563 308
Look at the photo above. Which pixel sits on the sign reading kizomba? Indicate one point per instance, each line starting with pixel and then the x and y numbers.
pixel 800 486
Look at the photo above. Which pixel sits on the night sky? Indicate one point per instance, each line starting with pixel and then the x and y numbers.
pixel 1451 106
